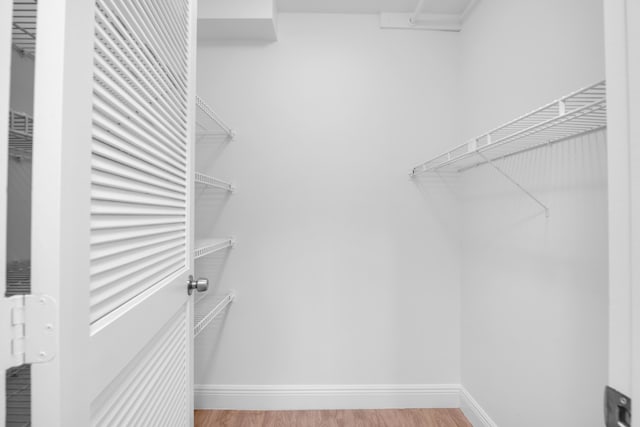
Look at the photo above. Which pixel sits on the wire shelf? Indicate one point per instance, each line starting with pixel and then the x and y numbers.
pixel 18 396
pixel 24 27
pixel 208 308
pixel 206 118
pixel 18 278
pixel 20 134
pixel 209 246
pixel 214 182
pixel 18 379
pixel 573 115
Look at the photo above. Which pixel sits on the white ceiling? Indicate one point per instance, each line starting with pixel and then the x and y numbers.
pixel 455 7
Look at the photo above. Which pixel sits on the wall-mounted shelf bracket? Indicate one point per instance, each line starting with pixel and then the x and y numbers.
pixel 514 182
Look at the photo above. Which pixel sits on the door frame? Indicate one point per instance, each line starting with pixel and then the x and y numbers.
pixel 60 241
pixel 622 43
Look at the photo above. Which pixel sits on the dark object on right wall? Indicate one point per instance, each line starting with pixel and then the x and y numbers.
pixel 617 408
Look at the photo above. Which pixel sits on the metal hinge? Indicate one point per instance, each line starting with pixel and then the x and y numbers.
pixel 29 323
pixel 617 408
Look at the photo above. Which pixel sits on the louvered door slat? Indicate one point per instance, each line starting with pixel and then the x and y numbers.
pixel 122 272
pixel 129 259
pixel 113 81
pixel 119 234
pixel 133 197
pixel 157 43
pixel 121 60
pixel 108 146
pixel 137 54
pixel 139 161
pixel 111 111
pixel 135 49
pixel 111 292
pixel 147 25
pixel 105 179
pixel 120 249
pixel 107 223
pixel 121 412
pixel 113 65
pixel 120 171
pixel 178 18
pixel 139 392
pixel 106 207
pixel 167 145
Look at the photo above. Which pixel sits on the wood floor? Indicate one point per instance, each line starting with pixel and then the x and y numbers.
pixel 356 418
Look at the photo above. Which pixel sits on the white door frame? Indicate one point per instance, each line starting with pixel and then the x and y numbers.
pixel 622 36
pixel 60 260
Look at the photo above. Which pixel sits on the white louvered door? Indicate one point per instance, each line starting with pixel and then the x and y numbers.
pixel 122 229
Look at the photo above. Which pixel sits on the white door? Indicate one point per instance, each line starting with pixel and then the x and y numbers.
pixel 112 221
pixel 623 103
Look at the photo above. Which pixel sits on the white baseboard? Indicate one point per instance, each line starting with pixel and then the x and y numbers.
pixel 473 411
pixel 301 397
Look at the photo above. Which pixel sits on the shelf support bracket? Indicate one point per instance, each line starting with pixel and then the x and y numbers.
pixel 514 182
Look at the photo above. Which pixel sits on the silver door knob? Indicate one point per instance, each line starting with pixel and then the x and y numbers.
pixel 200 285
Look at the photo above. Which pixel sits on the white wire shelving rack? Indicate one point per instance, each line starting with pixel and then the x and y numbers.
pixel 24 27
pixel 210 125
pixel 18 278
pixel 208 308
pixel 18 395
pixel 20 135
pixel 18 379
pixel 210 181
pixel 206 117
pixel 206 247
pixel 573 115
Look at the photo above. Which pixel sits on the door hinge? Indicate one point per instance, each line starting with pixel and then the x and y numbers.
pixel 29 329
pixel 617 408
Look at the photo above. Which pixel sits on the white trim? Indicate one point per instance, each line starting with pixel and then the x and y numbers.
pixel 473 411
pixel 298 397
pixel 425 22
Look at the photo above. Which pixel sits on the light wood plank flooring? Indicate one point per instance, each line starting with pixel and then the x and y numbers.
pixel 355 418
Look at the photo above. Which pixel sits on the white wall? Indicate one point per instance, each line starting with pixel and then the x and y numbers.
pixel 348 273
pixel 343 270
pixel 534 290
pixel 230 9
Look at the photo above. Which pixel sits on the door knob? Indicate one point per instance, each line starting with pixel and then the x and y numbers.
pixel 200 285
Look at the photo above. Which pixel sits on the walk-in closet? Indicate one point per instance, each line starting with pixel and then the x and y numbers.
pixel 320 213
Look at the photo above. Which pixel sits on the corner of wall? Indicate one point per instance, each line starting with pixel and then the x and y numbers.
pixel 473 411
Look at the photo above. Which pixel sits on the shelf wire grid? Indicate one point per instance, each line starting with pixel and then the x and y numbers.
pixel 205 117
pixel 575 114
pixel 207 247
pixel 208 308
pixel 18 379
pixel 210 181
pixel 23 34
pixel 20 134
